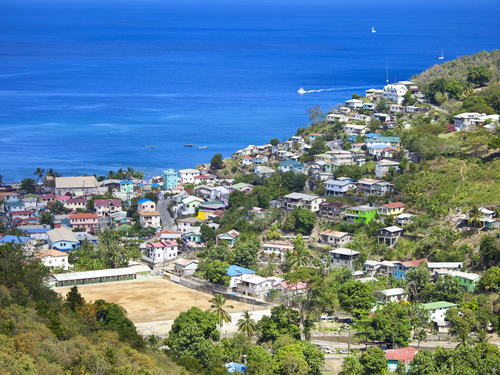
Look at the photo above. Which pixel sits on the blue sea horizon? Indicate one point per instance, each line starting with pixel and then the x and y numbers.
pixel 85 86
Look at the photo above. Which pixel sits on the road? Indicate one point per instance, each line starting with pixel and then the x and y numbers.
pixel 166 219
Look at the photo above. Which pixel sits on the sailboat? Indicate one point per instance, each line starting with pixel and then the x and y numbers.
pixel 442 55
pixel 373 29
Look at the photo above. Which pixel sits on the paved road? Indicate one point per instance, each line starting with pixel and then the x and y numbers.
pixel 168 222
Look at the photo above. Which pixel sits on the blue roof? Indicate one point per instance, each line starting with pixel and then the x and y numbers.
pixel 155 184
pixel 372 135
pixel 144 201
pixel 17 240
pixel 379 146
pixel 237 270
pixel 39 230
pixel 233 367
pixel 126 182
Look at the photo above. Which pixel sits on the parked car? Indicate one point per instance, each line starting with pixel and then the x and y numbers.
pixel 343 351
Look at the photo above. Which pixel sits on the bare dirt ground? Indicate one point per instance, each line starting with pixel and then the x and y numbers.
pixel 151 300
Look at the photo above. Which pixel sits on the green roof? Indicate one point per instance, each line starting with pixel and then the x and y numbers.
pixel 30 196
pixel 212 202
pixel 438 305
pixel 384 139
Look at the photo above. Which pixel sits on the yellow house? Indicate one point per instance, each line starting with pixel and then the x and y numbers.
pixel 390 209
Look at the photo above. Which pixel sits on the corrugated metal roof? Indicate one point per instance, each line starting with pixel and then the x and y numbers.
pixel 94 274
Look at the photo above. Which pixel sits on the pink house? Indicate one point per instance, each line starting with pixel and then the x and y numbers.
pixel 86 222
pixel 104 207
pixel 146 205
pixel 162 251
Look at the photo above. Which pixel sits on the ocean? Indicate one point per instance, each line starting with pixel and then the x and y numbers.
pixel 86 85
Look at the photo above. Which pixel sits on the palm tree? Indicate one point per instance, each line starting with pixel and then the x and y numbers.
pixel 154 342
pixel 475 217
pixel 39 173
pixel 218 303
pixel 1 179
pixel 300 254
pixel 482 336
pixel 247 325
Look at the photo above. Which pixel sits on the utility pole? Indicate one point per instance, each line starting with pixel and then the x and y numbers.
pixel 349 342
pixel 387 74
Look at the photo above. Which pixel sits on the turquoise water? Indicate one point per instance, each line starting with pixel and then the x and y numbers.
pixel 84 87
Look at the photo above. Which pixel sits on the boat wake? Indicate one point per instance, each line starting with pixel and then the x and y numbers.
pixel 302 91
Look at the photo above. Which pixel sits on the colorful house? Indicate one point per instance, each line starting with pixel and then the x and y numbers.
pixel 401 268
pixel 401 355
pixel 438 309
pixel 127 187
pixel 169 179
pixel 86 222
pixel 62 239
pixel 390 209
pixel 146 205
pixel 241 186
pixel 468 281
pixel 259 159
pixel 150 219
pixel 291 166
pixel 360 214
pixel 231 237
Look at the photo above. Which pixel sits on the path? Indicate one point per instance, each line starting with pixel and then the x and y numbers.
pixel 168 222
pixel 463 178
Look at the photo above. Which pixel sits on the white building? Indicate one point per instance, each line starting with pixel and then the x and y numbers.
pixel 332 117
pixel 279 249
pixel 162 251
pixel 438 309
pixel 151 219
pixel 390 295
pixel 187 175
pixel 382 167
pixel 338 188
pixel 255 286
pixel 464 121
pixel 395 92
pixel 54 259
pixel 355 129
pixel 354 103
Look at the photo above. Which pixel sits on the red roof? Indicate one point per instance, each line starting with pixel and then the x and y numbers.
pixel 201 176
pixel 413 263
pixel 106 202
pixel 403 354
pixel 22 213
pixel 166 232
pixel 162 243
pixel 297 286
pixel 83 216
pixel 394 205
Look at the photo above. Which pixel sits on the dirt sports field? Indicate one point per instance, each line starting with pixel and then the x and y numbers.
pixel 151 300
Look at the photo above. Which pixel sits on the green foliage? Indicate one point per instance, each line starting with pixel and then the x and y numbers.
pixel 74 299
pixel 290 360
pixel 356 297
pixel 216 162
pixel 218 306
pixel 316 115
pixel 245 253
pixel 46 218
pixel 373 362
pixel 259 361
pixel 283 321
pixel 391 323
pixel 237 199
pixel 151 196
pixel 28 186
pixel 304 220
pixel 489 249
pixel 207 233
pixel 446 288
pixel 274 141
pixel 215 271
pixel 490 280
pixel 479 75
pixel 318 147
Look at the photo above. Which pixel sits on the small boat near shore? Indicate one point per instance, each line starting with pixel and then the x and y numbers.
pixel 202 147
pixel 190 145
pixel 150 147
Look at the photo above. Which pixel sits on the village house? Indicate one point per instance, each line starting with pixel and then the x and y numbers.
pixel 400 355
pixel 291 166
pixel 438 309
pixel 468 281
pixel 360 214
pixel 366 186
pixel 336 238
pixel 395 92
pixel 150 219
pixel 290 289
pixel 236 272
pixel 465 121
pixel 246 188
pixel 255 286
pixel 355 129
pixel 185 267
pixel 389 236
pixel 343 257
pixel 404 219
pixel 170 179
pixel 444 266
pixel 187 175
pixel 127 187
pixel 390 295
pixel 380 188
pixel 260 159
pixel 264 172
pixel 354 104
pixel 300 200
pixel 54 259
pixel 146 205
pixel 86 222
pixel 277 249
pixel 231 237
pixel 106 207
pixel 62 239
pixel 162 251
pixel 402 268
pixel 382 167
pixel 74 204
pixel 333 210
pixel 75 185
pixel 247 160
pixel 202 179
pixel 338 188
pixel 332 117
pixel 390 210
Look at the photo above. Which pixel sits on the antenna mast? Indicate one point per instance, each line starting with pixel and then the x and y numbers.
pixel 387 74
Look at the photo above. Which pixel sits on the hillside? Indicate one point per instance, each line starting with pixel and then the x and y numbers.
pixel 459 68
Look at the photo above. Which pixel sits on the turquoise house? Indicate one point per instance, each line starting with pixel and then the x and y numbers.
pixel 291 166
pixel 169 179
pixel 127 187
